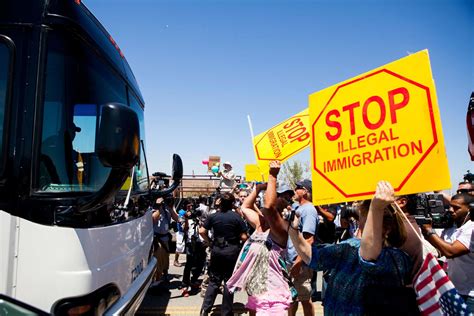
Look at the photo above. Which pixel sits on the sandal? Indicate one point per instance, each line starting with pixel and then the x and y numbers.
pixel 177 264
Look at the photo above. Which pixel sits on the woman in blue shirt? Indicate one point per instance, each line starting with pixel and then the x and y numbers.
pixel 368 259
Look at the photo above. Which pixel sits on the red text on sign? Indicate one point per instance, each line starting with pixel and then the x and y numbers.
pixel 401 94
pixel 295 130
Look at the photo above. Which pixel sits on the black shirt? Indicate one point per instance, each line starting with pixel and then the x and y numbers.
pixel 228 225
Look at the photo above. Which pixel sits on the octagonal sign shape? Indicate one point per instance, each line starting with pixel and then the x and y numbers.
pixel 284 139
pixel 379 126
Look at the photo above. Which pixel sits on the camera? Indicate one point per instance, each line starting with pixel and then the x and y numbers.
pixel 160 180
pixel 195 214
pixel 430 209
pixel 468 177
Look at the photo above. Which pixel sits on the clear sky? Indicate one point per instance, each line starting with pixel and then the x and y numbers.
pixel 203 66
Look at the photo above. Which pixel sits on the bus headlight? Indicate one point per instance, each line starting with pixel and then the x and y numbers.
pixel 95 303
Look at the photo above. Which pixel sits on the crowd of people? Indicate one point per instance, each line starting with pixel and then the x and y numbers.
pixel 269 240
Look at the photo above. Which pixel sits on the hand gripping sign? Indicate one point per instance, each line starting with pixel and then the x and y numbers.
pixel 381 125
pixel 282 141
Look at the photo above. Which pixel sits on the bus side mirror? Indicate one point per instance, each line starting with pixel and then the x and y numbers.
pixel 118 138
pixel 177 175
pixel 177 172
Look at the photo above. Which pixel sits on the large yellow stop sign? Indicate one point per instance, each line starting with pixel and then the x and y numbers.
pixel 381 125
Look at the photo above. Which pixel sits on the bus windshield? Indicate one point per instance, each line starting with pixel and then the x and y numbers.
pixel 5 63
pixel 77 82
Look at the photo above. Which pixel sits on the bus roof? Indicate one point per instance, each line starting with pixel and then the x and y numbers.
pixel 76 15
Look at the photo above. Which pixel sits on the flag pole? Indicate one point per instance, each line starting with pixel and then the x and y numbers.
pixel 253 145
pixel 397 207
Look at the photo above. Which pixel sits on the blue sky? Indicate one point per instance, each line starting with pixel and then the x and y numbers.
pixel 203 66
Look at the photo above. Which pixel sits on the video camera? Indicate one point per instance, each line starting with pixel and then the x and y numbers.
pixel 468 177
pixel 160 180
pixel 430 209
pixel 195 214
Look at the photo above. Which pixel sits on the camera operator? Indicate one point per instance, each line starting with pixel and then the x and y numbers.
pixel 460 253
pixel 163 212
pixel 195 250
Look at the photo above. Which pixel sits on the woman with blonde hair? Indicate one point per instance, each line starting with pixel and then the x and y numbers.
pixel 368 261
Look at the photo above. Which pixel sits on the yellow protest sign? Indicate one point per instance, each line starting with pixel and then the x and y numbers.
pixel 282 140
pixel 381 125
pixel 253 173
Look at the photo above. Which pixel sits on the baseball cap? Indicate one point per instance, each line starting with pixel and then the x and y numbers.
pixel 283 187
pixel 307 184
pixel 227 163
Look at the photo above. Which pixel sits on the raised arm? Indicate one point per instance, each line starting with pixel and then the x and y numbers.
pixel 278 226
pixel 372 236
pixel 302 247
pixel 248 208
pixel 325 213
pixel 270 194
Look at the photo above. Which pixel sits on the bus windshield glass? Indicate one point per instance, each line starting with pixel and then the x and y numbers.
pixel 5 62
pixel 77 82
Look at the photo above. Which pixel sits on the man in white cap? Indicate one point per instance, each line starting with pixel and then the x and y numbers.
pixel 227 177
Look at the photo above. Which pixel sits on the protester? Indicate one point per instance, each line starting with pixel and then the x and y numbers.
pixel 285 192
pixel 358 265
pixel 349 221
pixel 460 253
pixel 242 195
pixel 261 270
pixel 162 214
pixel 227 182
pixel 302 275
pixel 228 231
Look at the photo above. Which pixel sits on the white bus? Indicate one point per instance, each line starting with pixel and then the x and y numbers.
pixel 71 133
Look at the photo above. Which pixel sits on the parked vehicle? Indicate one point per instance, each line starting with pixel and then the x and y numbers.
pixel 71 134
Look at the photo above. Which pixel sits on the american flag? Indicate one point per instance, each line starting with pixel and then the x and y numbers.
pixel 436 294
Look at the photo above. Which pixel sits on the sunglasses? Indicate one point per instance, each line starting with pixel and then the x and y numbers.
pixel 461 191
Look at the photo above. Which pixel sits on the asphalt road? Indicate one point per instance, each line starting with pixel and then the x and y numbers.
pixel 166 299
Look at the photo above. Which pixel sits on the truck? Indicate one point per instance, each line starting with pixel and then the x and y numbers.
pixel 75 199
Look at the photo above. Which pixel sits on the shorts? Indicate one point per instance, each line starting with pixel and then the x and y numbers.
pixel 302 283
pixel 162 256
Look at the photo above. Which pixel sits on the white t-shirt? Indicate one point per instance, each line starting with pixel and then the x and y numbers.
pixel 461 269
pixel 227 180
pixel 448 234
